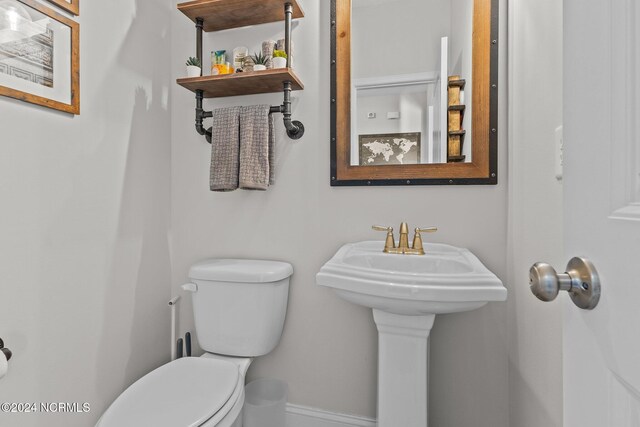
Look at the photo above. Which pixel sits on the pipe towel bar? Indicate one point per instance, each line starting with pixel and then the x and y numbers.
pixel 295 128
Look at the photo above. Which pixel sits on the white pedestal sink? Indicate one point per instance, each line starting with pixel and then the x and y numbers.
pixel 406 292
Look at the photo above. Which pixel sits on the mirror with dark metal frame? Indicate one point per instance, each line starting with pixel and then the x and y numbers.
pixel 414 92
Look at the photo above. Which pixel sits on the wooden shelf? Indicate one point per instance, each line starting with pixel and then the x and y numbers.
pixel 457 83
pixel 247 83
pixel 455 159
pixel 456 107
pixel 216 15
pixel 224 14
pixel 457 132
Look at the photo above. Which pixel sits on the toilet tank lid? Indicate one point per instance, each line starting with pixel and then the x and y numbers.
pixel 240 270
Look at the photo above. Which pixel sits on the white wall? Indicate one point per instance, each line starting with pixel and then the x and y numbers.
pixel 84 222
pixel 328 350
pixel 535 204
pixel 391 37
pixel 411 104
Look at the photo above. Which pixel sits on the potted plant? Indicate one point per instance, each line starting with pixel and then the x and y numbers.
pixel 259 62
pixel 279 59
pixel 194 67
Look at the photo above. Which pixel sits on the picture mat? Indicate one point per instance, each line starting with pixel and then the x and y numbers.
pixel 61 90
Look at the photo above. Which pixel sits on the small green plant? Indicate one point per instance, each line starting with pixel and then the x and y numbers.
pixel 194 61
pixel 279 53
pixel 259 59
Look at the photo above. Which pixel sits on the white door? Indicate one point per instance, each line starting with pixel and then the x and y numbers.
pixel 602 209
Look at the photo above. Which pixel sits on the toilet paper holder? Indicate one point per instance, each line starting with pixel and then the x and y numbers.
pixel 6 351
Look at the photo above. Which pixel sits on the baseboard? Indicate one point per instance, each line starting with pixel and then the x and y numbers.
pixel 303 416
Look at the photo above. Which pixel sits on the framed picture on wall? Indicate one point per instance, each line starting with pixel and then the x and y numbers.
pixel 389 149
pixel 39 55
pixel 71 6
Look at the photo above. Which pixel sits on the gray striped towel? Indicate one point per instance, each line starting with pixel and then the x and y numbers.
pixel 256 147
pixel 225 149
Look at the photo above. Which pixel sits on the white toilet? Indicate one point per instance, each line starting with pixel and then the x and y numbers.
pixel 239 308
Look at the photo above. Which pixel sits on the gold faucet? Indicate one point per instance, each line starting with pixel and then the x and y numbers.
pixel 403 244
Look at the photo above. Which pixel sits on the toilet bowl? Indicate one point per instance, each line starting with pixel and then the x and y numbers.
pixel 239 311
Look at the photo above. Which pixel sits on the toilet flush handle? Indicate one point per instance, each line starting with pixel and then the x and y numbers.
pixel 190 287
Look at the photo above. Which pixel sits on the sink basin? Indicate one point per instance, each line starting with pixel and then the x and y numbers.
pixel 406 292
pixel 446 279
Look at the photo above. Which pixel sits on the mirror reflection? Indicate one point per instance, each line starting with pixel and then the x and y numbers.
pixel 411 70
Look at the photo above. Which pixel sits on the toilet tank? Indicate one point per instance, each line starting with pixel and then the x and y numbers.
pixel 239 305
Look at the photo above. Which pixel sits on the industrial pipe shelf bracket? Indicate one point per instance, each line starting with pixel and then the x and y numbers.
pixel 295 128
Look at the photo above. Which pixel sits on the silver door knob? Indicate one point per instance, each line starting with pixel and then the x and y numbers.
pixel 581 280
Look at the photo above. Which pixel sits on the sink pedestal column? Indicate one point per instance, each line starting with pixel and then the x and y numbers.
pixel 402 368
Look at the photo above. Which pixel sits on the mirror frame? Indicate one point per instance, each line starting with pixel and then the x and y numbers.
pixel 483 170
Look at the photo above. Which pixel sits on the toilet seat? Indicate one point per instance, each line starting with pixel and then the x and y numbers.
pixel 187 392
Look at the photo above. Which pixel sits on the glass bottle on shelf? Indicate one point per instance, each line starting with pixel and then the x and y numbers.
pixel 219 64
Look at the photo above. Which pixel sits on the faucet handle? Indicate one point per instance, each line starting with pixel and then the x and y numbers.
pixel 389 243
pixel 417 238
pixel 426 230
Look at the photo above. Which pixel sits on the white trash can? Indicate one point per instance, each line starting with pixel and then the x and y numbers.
pixel 264 403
